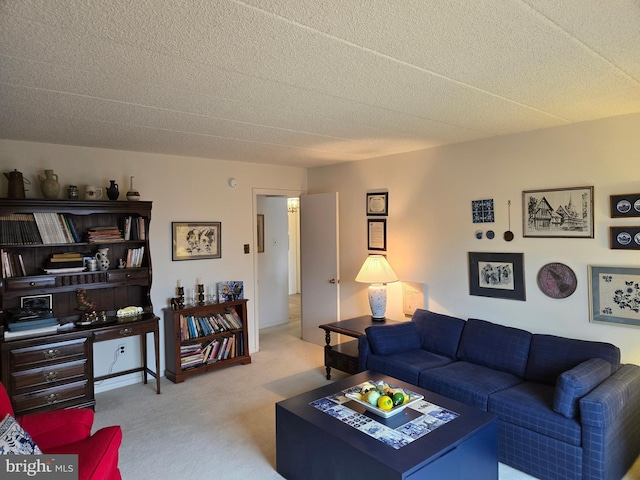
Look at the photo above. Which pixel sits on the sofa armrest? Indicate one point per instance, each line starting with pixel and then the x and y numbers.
pixel 364 350
pixel 610 417
pixel 59 427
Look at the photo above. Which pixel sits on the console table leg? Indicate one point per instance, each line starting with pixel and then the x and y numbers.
pixel 328 369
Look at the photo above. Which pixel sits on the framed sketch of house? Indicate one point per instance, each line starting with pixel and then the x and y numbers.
pixel 558 213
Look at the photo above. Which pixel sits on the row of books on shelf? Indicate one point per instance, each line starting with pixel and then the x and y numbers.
pixel 134 257
pixel 53 228
pixel 133 228
pixel 192 326
pixel 12 265
pixel 195 354
pixel 37 228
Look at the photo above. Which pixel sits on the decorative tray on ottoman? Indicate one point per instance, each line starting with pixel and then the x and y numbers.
pixel 413 398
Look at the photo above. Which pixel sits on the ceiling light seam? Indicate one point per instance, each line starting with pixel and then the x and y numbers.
pixel 583 44
pixel 402 62
pixel 199 115
pixel 207 135
pixel 184 58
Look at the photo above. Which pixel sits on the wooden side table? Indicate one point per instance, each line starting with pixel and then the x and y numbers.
pixel 344 356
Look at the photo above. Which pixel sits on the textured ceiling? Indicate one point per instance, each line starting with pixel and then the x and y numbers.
pixel 309 82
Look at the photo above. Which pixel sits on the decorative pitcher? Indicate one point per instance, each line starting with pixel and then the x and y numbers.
pixel 102 258
pixel 113 191
pixel 49 185
pixel 16 184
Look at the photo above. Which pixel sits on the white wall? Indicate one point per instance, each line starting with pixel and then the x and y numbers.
pixel 182 189
pixel 430 230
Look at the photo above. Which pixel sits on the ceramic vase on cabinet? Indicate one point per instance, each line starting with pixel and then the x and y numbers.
pixel 113 191
pixel 132 194
pixel 49 185
pixel 103 259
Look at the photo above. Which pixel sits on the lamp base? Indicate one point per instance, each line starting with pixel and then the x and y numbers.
pixel 378 319
pixel 378 301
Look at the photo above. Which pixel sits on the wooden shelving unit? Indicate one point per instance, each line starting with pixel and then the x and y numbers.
pixel 174 340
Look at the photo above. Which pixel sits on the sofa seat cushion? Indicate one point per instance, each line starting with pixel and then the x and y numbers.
pixel 549 356
pixel 529 405
pixel 406 366
pixel 467 382
pixel 576 383
pixel 397 338
pixel 495 346
pixel 438 333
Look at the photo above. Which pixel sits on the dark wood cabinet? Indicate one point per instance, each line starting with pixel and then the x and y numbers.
pixel 176 321
pixel 55 370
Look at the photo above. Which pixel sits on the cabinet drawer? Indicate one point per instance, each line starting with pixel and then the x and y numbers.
pixel 26 283
pixel 74 393
pixel 127 275
pixel 52 375
pixel 125 330
pixel 48 354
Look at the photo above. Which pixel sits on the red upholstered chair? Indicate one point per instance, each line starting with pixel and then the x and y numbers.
pixel 69 432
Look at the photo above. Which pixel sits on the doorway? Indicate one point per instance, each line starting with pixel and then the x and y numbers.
pixel 277 287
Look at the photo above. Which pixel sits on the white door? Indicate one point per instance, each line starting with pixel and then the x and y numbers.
pixel 319 264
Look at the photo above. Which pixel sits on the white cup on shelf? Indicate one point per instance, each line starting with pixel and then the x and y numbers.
pixel 91 192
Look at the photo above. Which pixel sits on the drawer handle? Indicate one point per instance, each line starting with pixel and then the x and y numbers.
pixel 51 353
pixel 51 376
pixel 54 397
pixel 126 331
pixel 128 275
pixel 32 284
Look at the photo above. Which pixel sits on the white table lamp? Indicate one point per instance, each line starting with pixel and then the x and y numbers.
pixel 377 272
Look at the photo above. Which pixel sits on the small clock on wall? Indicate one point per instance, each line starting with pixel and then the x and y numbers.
pixel 556 280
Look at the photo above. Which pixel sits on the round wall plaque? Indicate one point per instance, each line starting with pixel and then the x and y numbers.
pixel 556 280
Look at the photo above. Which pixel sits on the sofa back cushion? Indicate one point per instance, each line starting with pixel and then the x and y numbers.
pixel 495 346
pixel 396 338
pixel 549 356
pixel 574 384
pixel 438 333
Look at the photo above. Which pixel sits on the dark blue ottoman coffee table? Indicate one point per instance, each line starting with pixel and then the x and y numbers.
pixel 324 435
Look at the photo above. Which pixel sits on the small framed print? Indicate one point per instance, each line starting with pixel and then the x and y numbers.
pixel 194 241
pixel 624 238
pixel 39 302
pixel 625 205
pixel 377 234
pixel 378 203
pixel 497 275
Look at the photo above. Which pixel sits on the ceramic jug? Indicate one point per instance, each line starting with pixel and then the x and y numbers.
pixel 49 185
pixel 16 184
pixel 112 190
pixel 102 258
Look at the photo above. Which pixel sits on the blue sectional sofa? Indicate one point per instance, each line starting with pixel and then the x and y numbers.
pixel 567 408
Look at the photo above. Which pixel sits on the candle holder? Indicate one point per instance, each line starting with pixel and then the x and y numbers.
pixel 200 294
pixel 180 297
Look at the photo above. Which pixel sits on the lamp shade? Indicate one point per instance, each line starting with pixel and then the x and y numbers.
pixel 376 269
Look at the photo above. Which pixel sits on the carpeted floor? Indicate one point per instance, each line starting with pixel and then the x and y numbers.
pixel 220 424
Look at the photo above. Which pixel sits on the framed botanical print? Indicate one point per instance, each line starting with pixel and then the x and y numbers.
pixel 614 295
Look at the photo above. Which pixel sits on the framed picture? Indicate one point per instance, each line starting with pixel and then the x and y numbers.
pixel 260 233
pixel 377 234
pixel 614 295
pixel 198 240
pixel 378 203
pixel 497 275
pixel 43 302
pixel 627 205
pixel 558 213
pixel 624 238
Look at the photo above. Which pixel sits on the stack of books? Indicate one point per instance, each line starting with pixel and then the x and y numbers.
pixel 108 234
pixel 64 263
pixel 34 322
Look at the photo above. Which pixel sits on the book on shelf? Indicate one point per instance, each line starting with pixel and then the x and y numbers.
pixel 134 257
pixel 12 264
pixel 19 229
pixel 106 234
pixel 133 228
pixel 33 331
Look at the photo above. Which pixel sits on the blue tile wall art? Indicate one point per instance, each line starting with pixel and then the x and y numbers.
pixel 482 211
